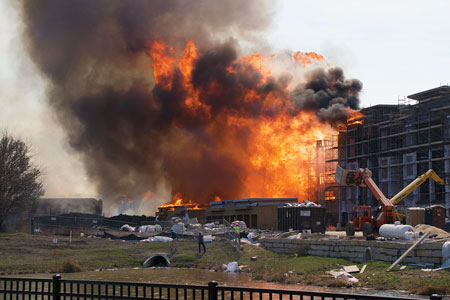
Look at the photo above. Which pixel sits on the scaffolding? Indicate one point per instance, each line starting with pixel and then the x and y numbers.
pixel 398 143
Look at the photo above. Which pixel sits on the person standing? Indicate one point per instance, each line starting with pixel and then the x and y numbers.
pixel 201 242
pixel 174 245
pixel 237 229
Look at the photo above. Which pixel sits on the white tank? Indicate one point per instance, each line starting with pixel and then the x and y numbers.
pixel 396 231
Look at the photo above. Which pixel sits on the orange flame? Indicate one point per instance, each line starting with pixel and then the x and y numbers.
pixel 354 117
pixel 306 58
pixel 178 201
pixel 162 63
pixel 147 196
pixel 280 149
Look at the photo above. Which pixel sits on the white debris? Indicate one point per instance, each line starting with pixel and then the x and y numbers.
pixel 344 275
pixel 192 221
pixel 249 242
pixel 178 227
pixel 196 226
pixel 232 267
pixel 208 238
pixel 209 225
pixel 150 228
pixel 128 228
pixel 305 203
pixel 251 236
pixel 295 236
pixel 158 239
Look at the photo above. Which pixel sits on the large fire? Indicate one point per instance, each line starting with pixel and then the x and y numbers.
pixel 279 148
pixel 354 117
pixel 177 202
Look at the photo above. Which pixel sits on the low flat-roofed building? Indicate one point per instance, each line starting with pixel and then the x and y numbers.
pixel 258 213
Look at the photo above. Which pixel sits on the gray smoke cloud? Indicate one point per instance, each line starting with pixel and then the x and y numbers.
pixel 135 135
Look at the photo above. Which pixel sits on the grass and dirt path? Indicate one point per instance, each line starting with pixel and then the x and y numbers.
pixel 24 254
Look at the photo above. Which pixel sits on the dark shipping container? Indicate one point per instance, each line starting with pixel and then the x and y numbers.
pixel 302 218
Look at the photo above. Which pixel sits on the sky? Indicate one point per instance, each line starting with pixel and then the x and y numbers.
pixel 396 48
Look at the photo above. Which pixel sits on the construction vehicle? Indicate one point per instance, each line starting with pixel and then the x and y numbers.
pixel 387 212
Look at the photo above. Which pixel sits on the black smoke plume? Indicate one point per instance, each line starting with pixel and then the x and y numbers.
pixel 135 135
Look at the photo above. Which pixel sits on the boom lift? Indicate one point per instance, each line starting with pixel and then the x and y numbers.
pixel 386 214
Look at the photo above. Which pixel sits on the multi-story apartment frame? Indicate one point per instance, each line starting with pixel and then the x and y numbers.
pixel 398 143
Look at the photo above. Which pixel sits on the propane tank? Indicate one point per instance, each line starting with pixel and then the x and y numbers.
pixel 397 231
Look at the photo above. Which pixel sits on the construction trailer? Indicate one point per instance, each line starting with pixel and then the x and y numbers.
pixel 398 143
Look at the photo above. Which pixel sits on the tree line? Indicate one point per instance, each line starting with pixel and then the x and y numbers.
pixel 20 185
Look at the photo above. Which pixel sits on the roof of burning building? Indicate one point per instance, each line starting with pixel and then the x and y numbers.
pixel 442 90
pixel 252 201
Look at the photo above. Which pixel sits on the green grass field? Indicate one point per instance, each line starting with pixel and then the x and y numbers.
pixel 25 253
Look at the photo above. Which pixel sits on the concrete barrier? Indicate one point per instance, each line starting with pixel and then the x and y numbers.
pixel 358 250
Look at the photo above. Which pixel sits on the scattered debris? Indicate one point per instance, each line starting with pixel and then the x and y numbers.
pixel 249 242
pixel 402 268
pixel 407 251
pixel 339 274
pixel 351 269
pixel 231 267
pixel 128 228
pixel 178 227
pixel 158 239
pixel 305 203
pixel 295 236
pixel 363 269
pixel 445 265
pixel 253 258
pixel 150 228
pixel 208 238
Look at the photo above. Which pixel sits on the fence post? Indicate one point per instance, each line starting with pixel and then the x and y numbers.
pixel 56 287
pixel 212 290
pixel 435 297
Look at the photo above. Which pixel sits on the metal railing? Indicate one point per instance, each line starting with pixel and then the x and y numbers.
pixel 231 235
pixel 58 289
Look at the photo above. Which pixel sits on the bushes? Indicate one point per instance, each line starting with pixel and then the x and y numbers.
pixel 70 267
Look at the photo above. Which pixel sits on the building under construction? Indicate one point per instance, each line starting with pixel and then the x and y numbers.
pixel 397 143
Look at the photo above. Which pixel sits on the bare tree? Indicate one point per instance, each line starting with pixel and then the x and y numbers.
pixel 19 179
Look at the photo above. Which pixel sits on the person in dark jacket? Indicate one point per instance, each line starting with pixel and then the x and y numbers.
pixel 201 242
pixel 174 245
